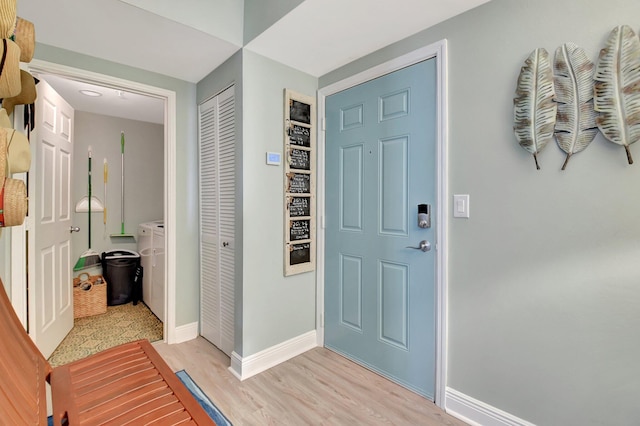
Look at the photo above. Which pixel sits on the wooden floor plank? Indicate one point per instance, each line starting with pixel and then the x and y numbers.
pixel 318 387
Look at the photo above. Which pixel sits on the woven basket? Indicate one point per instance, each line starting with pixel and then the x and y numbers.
pixel 89 295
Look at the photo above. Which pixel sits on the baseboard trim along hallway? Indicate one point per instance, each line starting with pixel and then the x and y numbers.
pixel 245 367
pixel 184 333
pixel 475 412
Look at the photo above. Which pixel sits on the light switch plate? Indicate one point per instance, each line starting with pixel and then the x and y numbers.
pixel 461 205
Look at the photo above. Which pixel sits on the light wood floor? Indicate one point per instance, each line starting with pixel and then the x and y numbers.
pixel 318 387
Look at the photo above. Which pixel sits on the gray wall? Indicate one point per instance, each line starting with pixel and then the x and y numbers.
pixel 144 178
pixel 276 308
pixel 187 270
pixel 543 278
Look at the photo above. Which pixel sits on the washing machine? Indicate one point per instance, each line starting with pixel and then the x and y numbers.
pixel 157 274
pixel 151 249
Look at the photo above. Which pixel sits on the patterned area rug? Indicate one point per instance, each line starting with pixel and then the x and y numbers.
pixel 121 324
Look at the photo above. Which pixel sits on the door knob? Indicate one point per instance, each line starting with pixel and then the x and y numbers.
pixel 74 229
pixel 225 244
pixel 424 245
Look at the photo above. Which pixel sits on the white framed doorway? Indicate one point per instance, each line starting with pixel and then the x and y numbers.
pixel 18 235
pixel 436 50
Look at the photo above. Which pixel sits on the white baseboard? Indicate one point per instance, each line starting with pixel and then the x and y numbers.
pixel 185 332
pixel 245 367
pixel 478 413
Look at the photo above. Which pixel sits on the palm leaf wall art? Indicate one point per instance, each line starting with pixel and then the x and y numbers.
pixel 617 88
pixel 576 119
pixel 534 107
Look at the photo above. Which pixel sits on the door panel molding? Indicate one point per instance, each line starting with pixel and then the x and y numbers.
pixel 436 50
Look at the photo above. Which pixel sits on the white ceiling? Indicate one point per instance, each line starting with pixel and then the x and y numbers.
pixel 190 38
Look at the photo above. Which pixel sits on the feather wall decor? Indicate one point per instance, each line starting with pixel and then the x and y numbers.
pixel 617 88
pixel 576 119
pixel 534 107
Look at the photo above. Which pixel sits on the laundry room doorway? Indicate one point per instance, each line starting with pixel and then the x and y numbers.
pixel 111 229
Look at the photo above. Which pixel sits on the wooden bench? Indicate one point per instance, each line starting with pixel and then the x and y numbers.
pixel 128 384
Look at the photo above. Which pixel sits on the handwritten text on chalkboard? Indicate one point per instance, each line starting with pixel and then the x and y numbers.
pixel 299 253
pixel 299 159
pixel 300 135
pixel 299 230
pixel 298 206
pixel 298 183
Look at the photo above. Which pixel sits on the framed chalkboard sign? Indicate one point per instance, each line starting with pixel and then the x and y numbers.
pixel 300 230
pixel 300 135
pixel 298 206
pixel 299 253
pixel 299 183
pixel 300 159
pixel 299 111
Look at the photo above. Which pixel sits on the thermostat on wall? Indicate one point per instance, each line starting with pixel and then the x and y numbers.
pixel 273 158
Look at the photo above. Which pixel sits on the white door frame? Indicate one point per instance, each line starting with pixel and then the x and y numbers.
pixel 18 263
pixel 436 50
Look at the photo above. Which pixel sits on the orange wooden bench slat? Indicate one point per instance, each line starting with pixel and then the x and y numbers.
pixel 148 394
pixel 128 384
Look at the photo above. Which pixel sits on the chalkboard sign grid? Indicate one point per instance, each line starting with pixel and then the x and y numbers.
pixel 299 183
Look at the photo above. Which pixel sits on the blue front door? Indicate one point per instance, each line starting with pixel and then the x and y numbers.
pixel 380 165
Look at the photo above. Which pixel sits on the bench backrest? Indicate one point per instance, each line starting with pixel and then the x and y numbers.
pixel 23 371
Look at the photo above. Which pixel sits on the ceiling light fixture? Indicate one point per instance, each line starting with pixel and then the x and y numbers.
pixel 91 93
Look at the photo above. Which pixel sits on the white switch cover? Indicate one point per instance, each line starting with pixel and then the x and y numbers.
pixel 461 205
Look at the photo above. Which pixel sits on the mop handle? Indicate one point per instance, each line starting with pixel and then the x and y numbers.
pixel 122 182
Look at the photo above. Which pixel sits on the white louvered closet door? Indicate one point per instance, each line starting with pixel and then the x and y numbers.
pixel 217 219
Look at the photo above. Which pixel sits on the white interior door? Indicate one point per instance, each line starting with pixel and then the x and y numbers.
pixel 50 213
pixel 217 219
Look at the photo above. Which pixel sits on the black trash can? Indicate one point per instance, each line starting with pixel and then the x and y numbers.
pixel 119 269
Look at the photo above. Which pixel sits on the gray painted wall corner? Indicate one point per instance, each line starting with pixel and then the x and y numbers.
pixel 276 308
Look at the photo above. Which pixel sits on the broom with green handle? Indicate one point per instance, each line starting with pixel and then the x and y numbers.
pixel 89 257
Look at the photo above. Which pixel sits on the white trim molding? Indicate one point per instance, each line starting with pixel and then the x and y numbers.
pixel 184 333
pixel 478 413
pixel 436 50
pixel 245 367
